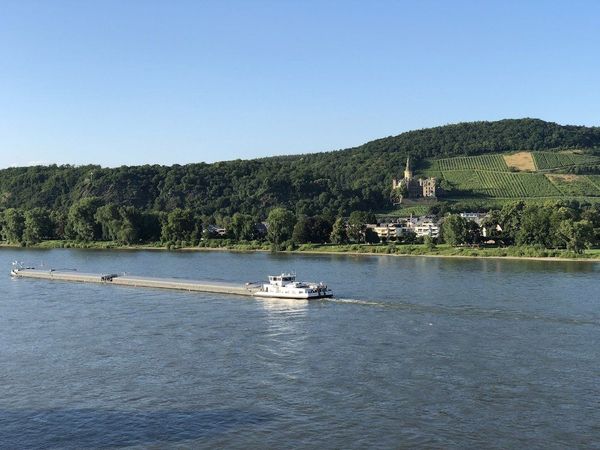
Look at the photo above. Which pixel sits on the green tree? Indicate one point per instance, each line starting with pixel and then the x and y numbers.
pixel 371 237
pixel 38 226
pixel 180 226
pixel 576 235
pixel 357 225
pixel 491 223
pixel 592 215
pixel 510 220
pixel 454 230
pixel 398 193
pixel 109 219
pixel 473 232
pixel 243 227
pixel 81 221
pixel 320 229
pixel 302 232
pixel 150 226
pixel 316 229
pixel 280 226
pixel 429 242
pixel 338 232
pixel 13 226
pixel 58 219
pixel 130 223
pixel 408 237
pixel 535 227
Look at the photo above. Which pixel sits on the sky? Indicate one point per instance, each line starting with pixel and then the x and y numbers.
pixel 176 81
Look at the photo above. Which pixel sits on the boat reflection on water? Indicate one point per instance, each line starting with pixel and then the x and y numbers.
pixel 282 305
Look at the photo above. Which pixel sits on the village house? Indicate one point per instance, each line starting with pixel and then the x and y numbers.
pixel 217 231
pixel 474 216
pixel 427 229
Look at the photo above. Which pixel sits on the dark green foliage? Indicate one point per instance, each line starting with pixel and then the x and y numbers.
pixel 243 227
pixel 314 229
pixel 281 224
pixel 129 225
pixel 429 242
pixel 13 226
pixel 338 232
pixel 371 237
pixel 330 183
pixel 489 137
pixel 409 237
pixel 59 221
pixel 38 226
pixel 576 235
pixel 357 225
pixel 81 222
pixel 536 227
pixel 560 224
pixel 109 219
pixel 181 227
pixel 150 226
pixel 455 230
pixel 473 233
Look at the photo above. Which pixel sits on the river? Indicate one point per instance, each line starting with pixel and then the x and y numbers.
pixel 413 352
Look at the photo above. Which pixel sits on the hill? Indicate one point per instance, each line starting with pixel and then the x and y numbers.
pixel 332 182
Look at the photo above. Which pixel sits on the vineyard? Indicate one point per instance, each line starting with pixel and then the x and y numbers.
pixel 481 162
pixel 575 186
pixel 550 160
pixel 500 184
pixel 515 175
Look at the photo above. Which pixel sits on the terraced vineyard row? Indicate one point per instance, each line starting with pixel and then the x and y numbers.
pixel 501 184
pixel 551 160
pixel 595 180
pixel 576 186
pixel 482 162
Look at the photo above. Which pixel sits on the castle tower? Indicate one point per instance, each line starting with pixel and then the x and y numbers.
pixel 408 171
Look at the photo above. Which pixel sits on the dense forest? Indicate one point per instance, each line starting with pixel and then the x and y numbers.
pixel 331 183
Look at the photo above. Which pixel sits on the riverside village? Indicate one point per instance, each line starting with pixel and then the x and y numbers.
pixel 411 229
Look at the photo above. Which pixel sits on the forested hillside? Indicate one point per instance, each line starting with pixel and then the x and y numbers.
pixel 333 182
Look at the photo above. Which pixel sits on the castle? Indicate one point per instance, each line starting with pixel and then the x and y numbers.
pixel 415 188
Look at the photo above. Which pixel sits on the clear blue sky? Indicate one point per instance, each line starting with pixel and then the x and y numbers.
pixel 140 81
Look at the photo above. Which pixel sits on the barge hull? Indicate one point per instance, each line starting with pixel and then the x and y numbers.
pixel 136 281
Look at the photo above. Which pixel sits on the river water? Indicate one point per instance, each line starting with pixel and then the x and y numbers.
pixel 412 353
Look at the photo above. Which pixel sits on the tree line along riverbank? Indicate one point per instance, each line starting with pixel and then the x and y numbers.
pixel 548 228
pixel 431 250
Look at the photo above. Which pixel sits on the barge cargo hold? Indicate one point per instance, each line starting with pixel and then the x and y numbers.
pixel 135 281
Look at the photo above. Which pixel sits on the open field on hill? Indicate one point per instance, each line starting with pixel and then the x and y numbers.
pixel 521 161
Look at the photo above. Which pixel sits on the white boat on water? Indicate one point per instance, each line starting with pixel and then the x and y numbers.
pixel 286 286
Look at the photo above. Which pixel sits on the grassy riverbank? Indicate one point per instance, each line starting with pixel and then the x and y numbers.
pixel 441 250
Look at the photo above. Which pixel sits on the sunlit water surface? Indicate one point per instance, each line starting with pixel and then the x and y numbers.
pixel 412 352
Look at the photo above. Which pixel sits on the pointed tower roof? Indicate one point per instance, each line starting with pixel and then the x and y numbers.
pixel 408 171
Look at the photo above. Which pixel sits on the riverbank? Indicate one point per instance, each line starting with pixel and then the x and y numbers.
pixel 438 251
